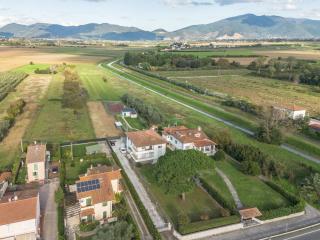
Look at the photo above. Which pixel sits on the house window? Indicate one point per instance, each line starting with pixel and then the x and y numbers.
pixel 105 204
pixel 35 167
pixel 35 174
pixel 90 218
pixel 104 214
pixel 88 202
pixel 160 146
pixel 176 141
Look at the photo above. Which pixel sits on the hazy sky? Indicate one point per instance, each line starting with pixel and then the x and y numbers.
pixel 148 14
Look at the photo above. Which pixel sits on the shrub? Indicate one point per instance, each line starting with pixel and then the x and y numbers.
pixel 220 155
pixel 88 226
pixel 183 219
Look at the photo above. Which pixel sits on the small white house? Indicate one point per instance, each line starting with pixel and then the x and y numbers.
pixel 293 112
pixel 183 138
pixel 36 161
pixel 145 146
pixel 129 112
pixel 20 215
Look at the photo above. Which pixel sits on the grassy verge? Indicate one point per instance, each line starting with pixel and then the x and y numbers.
pixel 205 225
pixel 304 145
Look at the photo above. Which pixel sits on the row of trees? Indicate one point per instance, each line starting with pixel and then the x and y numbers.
pixel 147 60
pixel 14 110
pixel 291 69
pixel 147 111
pixel 244 106
pixel 74 96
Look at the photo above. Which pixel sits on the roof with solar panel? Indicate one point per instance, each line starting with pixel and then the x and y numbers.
pixel 96 183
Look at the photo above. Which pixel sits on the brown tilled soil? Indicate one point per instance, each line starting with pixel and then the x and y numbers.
pixel 312 55
pixel 11 58
pixel 103 123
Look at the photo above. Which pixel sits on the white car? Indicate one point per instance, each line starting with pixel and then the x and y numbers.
pixel 123 150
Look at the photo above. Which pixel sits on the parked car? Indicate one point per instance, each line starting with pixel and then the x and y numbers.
pixel 123 150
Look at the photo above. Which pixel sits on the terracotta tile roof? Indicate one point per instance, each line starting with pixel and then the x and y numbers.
pixel 249 213
pixel 145 138
pixel 87 212
pixel 36 153
pixel 25 208
pixel 314 126
pixel 186 135
pixel 5 176
pixel 105 192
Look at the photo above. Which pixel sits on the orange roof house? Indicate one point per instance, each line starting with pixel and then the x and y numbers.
pixel 145 146
pixel 20 212
pixel 96 192
pixel 181 137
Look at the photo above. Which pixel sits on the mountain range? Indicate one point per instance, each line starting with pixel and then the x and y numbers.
pixel 248 26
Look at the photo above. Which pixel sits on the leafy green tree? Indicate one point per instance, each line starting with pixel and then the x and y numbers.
pixel 175 171
pixel 183 219
pixel 220 155
pixel 119 231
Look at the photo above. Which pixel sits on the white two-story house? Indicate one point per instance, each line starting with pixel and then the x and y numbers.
pixel 96 193
pixel 145 146
pixel 36 161
pixel 20 215
pixel 183 138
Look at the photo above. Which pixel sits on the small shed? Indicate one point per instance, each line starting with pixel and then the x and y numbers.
pixel 249 213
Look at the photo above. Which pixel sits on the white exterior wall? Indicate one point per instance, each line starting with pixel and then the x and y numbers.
pixel 115 185
pixel 28 227
pixel 41 172
pixel 144 154
pixel 297 114
pixel 176 144
pixel 99 209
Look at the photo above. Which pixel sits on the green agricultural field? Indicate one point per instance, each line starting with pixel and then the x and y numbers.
pixel 55 123
pixel 252 191
pixel 261 91
pixel 201 73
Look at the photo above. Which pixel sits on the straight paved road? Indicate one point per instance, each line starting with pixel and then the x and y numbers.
pixel 148 204
pixel 242 129
pixel 48 209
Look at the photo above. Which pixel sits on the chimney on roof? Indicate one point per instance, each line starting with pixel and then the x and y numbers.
pixel 15 197
pixel 199 128
pixel 91 167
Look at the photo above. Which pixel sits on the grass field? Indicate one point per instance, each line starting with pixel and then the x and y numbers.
pixel 252 191
pixel 261 91
pixel 197 202
pixel 55 123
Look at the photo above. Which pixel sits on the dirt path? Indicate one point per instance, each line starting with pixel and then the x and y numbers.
pixel 102 122
pixel 31 90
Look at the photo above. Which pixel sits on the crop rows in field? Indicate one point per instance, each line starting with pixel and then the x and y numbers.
pixel 8 81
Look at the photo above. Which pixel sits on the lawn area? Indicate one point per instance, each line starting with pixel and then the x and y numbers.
pixel 136 123
pixel 30 68
pixel 251 190
pixel 76 167
pixel 55 123
pixel 201 73
pixel 197 201
pixel 214 179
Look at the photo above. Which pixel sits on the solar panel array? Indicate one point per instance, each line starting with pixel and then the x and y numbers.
pixel 88 185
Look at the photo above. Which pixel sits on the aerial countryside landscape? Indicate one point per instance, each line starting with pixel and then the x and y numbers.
pixel 167 119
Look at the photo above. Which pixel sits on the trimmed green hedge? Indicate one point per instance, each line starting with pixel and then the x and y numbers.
pixel 296 204
pixel 218 197
pixel 208 224
pixel 60 221
pixel 146 217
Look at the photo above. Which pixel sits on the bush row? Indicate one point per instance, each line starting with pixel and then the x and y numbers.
pixel 146 217
pixel 8 81
pixel 244 106
pixel 13 111
pixel 218 197
pixel 296 204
